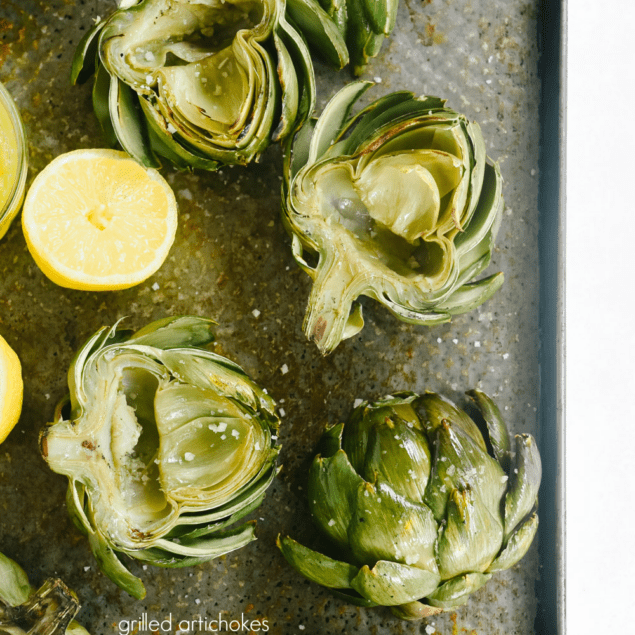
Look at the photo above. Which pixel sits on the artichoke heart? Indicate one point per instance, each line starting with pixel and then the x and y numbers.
pixel 164 444
pixel 399 203
pixel 420 512
pixel 202 83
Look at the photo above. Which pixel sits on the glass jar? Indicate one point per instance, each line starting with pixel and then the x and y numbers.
pixel 13 160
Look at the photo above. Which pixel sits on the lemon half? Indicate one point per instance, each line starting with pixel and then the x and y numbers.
pixel 96 220
pixel 10 389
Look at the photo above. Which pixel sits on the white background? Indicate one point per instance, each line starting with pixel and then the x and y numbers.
pixel 600 322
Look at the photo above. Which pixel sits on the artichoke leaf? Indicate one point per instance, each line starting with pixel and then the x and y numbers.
pixel 488 210
pixel 496 426
pixel 472 295
pixel 210 547
pixel 398 455
pixel 414 610
pixel 315 566
pixel 290 89
pixel 202 369
pixel 434 409
pixel 110 565
pixel 320 31
pixel 460 463
pixel 392 583
pixel 129 124
pixel 393 115
pixel 385 526
pixel 331 441
pixel 14 583
pixel 101 103
pixel 456 591
pixel 214 527
pixel 175 332
pixel 334 117
pixel 297 152
pixel 525 477
pixel 332 493
pixel 301 59
pixel 517 545
pixel 471 538
pixel 243 500
pixel 83 65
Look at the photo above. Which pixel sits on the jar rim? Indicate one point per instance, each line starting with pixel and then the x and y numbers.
pixel 17 191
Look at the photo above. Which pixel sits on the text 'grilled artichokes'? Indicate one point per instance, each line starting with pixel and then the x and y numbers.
pixel 25 610
pixel 203 82
pixel 420 513
pixel 164 444
pixel 398 203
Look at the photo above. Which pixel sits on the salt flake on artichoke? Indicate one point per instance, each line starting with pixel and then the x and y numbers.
pixel 165 445
pixel 397 202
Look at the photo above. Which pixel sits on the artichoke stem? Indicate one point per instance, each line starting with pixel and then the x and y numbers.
pixel 330 302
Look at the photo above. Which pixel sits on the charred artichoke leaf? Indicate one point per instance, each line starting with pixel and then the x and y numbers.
pixel 166 446
pixel 398 203
pixel 415 505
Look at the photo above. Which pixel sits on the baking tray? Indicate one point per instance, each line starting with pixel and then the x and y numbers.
pixel 232 256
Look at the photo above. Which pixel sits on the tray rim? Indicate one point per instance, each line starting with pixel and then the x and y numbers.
pixel 552 69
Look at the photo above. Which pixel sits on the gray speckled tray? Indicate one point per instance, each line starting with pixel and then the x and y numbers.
pixel 232 256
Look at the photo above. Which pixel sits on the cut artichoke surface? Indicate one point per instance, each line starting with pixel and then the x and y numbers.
pixel 203 82
pixel 420 506
pixel 165 445
pixel 25 610
pixel 398 203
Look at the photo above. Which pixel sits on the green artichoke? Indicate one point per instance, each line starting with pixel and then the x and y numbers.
pixel 164 444
pixel 203 82
pixel 364 24
pixel 421 507
pixel 397 202
pixel 25 610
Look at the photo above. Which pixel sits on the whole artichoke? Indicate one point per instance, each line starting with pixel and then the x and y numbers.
pixel 203 82
pixel 25 610
pixel 420 506
pixel 397 202
pixel 164 444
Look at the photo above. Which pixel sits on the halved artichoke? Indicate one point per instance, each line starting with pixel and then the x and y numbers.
pixel 25 610
pixel 420 506
pixel 165 445
pixel 204 82
pixel 397 202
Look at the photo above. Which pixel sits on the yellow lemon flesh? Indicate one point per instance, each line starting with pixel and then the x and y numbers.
pixel 96 220
pixel 10 389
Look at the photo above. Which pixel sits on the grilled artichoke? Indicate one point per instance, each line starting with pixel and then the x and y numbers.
pixel 203 82
pixel 364 25
pixel 164 444
pixel 421 507
pixel 398 203
pixel 25 610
